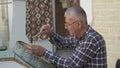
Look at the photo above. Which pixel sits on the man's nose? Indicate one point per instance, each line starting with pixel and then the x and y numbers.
pixel 65 27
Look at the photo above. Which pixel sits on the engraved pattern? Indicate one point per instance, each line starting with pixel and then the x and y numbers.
pixel 27 56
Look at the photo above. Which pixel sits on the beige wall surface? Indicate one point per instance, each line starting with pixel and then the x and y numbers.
pixel 106 20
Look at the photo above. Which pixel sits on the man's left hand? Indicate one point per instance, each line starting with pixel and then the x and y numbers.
pixel 38 50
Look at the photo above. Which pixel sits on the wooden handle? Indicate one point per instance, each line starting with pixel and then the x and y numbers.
pixel 36 35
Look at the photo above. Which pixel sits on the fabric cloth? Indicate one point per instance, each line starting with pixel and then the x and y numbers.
pixel 89 51
pixel 38 12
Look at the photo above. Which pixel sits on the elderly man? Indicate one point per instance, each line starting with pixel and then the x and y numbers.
pixel 89 50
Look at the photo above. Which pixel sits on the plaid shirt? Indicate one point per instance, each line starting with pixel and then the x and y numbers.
pixel 89 51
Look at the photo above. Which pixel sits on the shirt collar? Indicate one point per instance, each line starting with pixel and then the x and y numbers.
pixel 85 33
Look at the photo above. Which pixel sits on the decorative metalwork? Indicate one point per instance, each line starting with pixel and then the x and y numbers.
pixel 23 51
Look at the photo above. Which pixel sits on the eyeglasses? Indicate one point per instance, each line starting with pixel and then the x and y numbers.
pixel 75 20
pixel 70 23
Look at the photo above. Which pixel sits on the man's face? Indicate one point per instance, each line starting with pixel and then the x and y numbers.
pixel 71 25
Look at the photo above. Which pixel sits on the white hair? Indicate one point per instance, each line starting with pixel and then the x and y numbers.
pixel 77 14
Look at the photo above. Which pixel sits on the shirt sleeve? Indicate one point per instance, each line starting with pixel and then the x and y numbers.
pixel 62 42
pixel 80 56
pixel 59 61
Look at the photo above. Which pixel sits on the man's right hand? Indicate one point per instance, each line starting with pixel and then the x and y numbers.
pixel 46 29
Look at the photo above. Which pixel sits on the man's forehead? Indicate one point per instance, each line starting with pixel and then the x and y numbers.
pixel 69 17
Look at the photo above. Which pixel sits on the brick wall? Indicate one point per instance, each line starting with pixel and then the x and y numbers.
pixel 106 20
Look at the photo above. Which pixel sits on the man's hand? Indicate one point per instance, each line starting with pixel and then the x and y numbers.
pixel 38 50
pixel 46 29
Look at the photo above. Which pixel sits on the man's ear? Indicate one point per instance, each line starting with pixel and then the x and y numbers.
pixel 80 24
